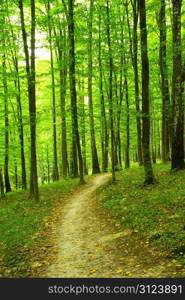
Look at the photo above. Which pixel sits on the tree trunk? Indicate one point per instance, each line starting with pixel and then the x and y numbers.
pixel 15 174
pixel 30 69
pixel 32 108
pixel 134 54
pixel 83 130
pixel 149 176
pixel 6 122
pixel 104 130
pixel 63 76
pixel 55 156
pixel 127 141
pixel 95 162
pixel 111 111
pixel 164 84
pixel 116 121
pixel 178 109
pixel 48 166
pixel 153 140
pixel 76 138
pixel 20 124
pixel 19 109
pixel 2 194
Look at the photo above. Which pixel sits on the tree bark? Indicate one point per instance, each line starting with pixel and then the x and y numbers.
pixel 134 55
pixel 30 69
pixel 164 84
pixel 62 63
pixel 178 109
pixel 83 130
pixel 6 122
pixel 149 176
pixel 2 193
pixel 55 156
pixel 111 111
pixel 95 162
pixel 19 111
pixel 75 131
pixel 127 140
pixel 104 129
pixel 63 76
pixel 48 166
pixel 20 125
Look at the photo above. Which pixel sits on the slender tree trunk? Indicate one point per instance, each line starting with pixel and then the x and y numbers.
pixel 164 84
pixel 159 139
pixel 127 147
pixel 127 137
pixel 95 162
pixel 121 89
pixel 32 108
pixel 111 111
pixel 116 121
pixel 6 122
pixel 55 156
pixel 16 174
pixel 2 193
pixel 63 77
pixel 178 109
pixel 62 63
pixel 153 140
pixel 48 166
pixel 19 108
pixel 134 54
pixel 104 129
pixel 149 176
pixel 30 69
pixel 20 125
pixel 76 138
pixel 83 130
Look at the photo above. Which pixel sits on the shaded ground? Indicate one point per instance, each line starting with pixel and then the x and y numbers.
pixel 88 242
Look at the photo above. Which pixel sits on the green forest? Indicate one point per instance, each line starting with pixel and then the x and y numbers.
pixel 92 138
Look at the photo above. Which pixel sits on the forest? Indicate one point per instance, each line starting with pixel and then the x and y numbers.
pixel 92 100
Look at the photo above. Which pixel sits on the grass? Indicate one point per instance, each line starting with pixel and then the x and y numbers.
pixel 155 213
pixel 22 223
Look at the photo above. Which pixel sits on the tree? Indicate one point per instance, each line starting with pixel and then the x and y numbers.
pixel 134 53
pixel 164 84
pixel 6 122
pixel 20 121
pixel 17 84
pixel 127 140
pixel 95 162
pixel 149 176
pixel 55 156
pixel 111 111
pixel 178 113
pixel 30 70
pixel 104 129
pixel 2 194
pixel 75 131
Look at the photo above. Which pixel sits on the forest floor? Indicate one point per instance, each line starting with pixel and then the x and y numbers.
pixel 91 243
pixel 99 230
pixel 88 244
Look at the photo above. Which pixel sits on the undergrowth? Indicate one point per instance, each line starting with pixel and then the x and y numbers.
pixel 22 223
pixel 155 213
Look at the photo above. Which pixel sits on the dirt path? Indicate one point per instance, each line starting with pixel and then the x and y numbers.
pixel 89 246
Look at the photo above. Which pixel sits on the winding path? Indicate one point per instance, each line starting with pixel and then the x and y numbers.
pixel 87 243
